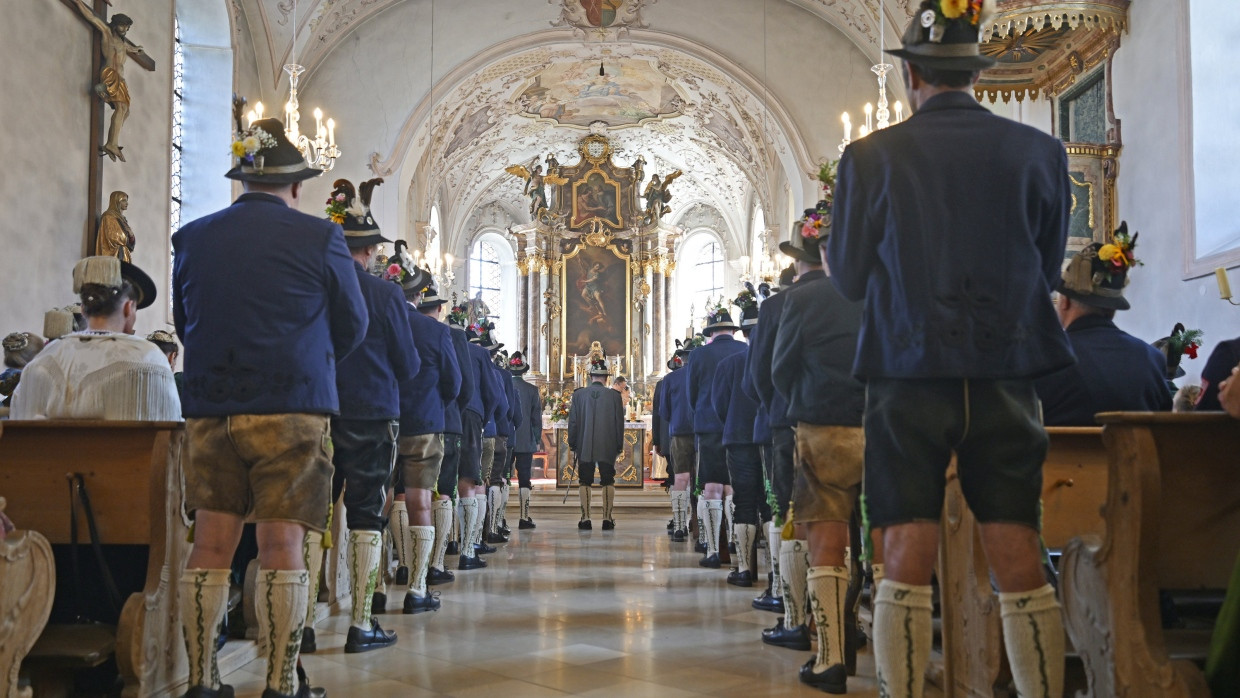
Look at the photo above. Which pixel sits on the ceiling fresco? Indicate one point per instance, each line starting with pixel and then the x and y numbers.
pixel 624 92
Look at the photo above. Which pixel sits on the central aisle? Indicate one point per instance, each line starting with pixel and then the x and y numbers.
pixel 567 612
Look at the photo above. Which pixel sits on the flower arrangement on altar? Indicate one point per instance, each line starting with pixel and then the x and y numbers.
pixel 248 143
pixel 336 209
pixel 559 404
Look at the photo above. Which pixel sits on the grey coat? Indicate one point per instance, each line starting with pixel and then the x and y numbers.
pixel 529 418
pixel 596 424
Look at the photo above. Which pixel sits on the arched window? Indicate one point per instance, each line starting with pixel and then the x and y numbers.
pixel 699 279
pixel 492 271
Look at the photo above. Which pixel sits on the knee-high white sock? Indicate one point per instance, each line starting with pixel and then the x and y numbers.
pixel 494 499
pixel 878 572
pixel 312 550
pixel 280 597
pixel 459 520
pixel 365 549
pixel 827 587
pixel 423 544
pixel 729 514
pixel 524 495
pixel 204 598
pixel 398 527
pixel 441 513
pixel 773 542
pixel 469 519
pixel 609 502
pixel 481 499
pixel 503 503
pixel 794 564
pixel 745 534
pixel 902 638
pixel 680 510
pixel 1033 634
pixel 714 518
pixel 701 518
pixel 583 495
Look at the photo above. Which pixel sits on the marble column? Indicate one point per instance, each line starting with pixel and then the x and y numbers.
pixel 537 340
pixel 658 328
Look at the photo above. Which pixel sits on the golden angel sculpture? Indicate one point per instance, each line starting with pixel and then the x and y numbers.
pixel 535 185
pixel 657 197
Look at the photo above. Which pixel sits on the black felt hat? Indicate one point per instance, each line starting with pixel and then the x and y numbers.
pixel 1175 345
pixel 747 301
pixel 401 269
pixel 1098 274
pixel 351 209
pixel 679 356
pixel 275 161
pixel 111 271
pixel 598 367
pixel 458 317
pixel 517 364
pixel 430 298
pixel 808 233
pixel 719 320
pixel 945 35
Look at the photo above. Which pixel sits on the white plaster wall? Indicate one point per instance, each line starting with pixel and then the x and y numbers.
pixel 1147 77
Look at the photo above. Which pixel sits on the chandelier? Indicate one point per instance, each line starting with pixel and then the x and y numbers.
pixel 881 118
pixel 320 151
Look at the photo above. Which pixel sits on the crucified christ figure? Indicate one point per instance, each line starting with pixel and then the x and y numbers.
pixel 111 87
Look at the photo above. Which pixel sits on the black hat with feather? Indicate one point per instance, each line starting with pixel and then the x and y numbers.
pixel 351 209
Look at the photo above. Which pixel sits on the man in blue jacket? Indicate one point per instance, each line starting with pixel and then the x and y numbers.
pixel 1114 371
pixel 674 408
pixel 951 226
pixel 660 425
pixel 712 470
pixel 364 434
pixel 505 430
pixel 265 300
pixel 425 402
pixel 528 438
pixel 449 484
pixel 490 402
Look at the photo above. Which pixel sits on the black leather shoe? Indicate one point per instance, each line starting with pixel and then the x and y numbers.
pixel 834 679
pixel 609 525
pixel 503 528
pixel 378 602
pixel 699 547
pixel 452 549
pixel 308 645
pixel 435 575
pixel 495 538
pixel 402 576
pixel 483 549
pixel 711 561
pixel 471 563
pixel 740 579
pixel 421 604
pixel 732 548
pixel 792 638
pixel 680 536
pixel 584 525
pixel 671 525
pixel 224 691
pixel 526 524
pixel 767 602
pixel 360 640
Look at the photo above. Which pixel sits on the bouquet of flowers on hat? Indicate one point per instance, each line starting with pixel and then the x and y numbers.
pixel 943 12
pixel 747 298
pixel 251 142
pixel 716 310
pixel 459 316
pixel 1184 341
pixel 815 219
pixel 827 172
pixel 697 340
pixel 336 207
pixel 1118 254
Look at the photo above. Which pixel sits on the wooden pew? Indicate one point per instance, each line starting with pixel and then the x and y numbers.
pixel 133 473
pixel 1074 486
pixel 1172 522
pixel 27 585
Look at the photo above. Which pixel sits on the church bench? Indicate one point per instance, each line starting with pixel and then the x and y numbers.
pixel 1074 488
pixel 27 584
pixel 1172 523
pixel 132 471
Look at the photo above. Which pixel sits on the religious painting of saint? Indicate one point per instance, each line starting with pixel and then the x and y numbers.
pixel 595 197
pixel 595 285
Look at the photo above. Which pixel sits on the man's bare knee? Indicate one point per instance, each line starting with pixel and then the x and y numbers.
pixel 910 551
pixel 1014 552
pixel 280 545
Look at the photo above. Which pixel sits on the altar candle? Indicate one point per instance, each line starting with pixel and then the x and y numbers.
pixel 847 127
pixel 258 109
pixel 251 117
pixel 1224 288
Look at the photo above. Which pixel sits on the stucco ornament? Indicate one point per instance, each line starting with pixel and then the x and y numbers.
pixel 601 19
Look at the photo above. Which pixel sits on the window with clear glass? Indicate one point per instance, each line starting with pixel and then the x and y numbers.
pixel 699 280
pixel 174 179
pixel 486 274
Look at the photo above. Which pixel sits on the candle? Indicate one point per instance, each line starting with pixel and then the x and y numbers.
pixel 869 118
pixel 1224 288
pixel 899 112
pixel 251 117
pixel 847 127
pixel 258 109
pixel 447 259
pixel 331 132
pixel 318 120
pixel 863 132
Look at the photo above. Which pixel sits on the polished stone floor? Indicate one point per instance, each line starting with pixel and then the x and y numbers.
pixel 563 612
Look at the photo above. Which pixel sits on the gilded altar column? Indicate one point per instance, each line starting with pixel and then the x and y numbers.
pixel 523 304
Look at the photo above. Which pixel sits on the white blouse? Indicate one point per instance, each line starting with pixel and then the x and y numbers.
pixel 98 375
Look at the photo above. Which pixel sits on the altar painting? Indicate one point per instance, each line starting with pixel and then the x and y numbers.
pixel 595 284
pixel 596 197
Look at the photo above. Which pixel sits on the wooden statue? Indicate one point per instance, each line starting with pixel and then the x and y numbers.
pixel 111 87
pixel 115 238
pixel 657 196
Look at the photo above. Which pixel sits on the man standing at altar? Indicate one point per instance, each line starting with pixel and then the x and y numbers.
pixel 712 460
pixel 951 227
pixel 596 437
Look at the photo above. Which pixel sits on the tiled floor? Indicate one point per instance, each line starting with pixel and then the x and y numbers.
pixel 563 612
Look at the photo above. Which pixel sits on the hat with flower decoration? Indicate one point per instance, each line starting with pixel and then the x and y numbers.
pixel 719 320
pixel 679 357
pixel 808 233
pixel 458 317
pixel 598 366
pixel 430 297
pixel 1175 345
pixel 747 301
pixel 946 35
pixel 517 364
pixel 266 155
pixel 401 269
pixel 1098 274
pixel 487 336
pixel 351 209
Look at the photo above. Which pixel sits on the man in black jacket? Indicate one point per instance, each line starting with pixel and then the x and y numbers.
pixel 596 436
pixel 529 432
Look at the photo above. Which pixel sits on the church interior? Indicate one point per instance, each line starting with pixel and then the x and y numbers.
pixel 595 177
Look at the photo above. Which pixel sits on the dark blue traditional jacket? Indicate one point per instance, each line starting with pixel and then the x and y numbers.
pixel 494 400
pixel 369 378
pixel 1226 356
pixel 762 352
pixel 732 406
pixel 469 382
pixel 528 438
pixel 762 420
pixel 506 421
pixel 426 400
pixel 484 398
pixel 676 409
pixel 659 434
pixel 814 353
pixel 265 301
pixel 1114 372
pixel 951 226
pixel 701 372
